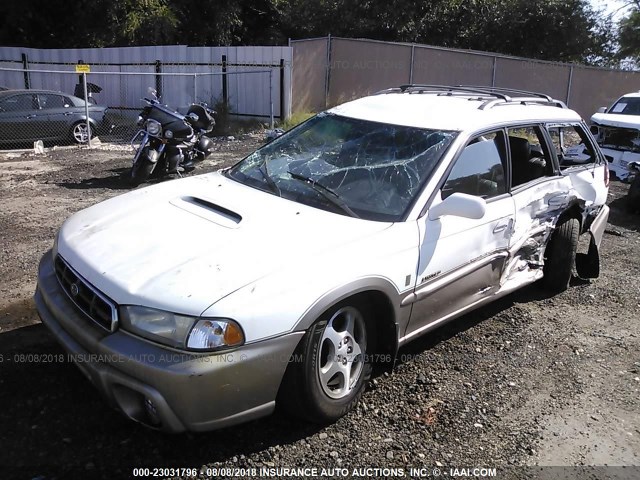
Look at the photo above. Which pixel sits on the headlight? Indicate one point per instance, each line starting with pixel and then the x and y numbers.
pixel 168 133
pixel 153 127
pixel 181 331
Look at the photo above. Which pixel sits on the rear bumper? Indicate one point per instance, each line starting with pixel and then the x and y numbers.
pixel 185 391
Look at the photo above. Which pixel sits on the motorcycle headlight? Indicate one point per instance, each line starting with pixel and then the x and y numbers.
pixel 168 133
pixel 153 127
pixel 180 331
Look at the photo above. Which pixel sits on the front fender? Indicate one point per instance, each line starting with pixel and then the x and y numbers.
pixel 332 297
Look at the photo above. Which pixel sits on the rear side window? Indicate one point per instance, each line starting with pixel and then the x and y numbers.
pixel 530 157
pixel 479 170
pixel 571 145
pixel 49 101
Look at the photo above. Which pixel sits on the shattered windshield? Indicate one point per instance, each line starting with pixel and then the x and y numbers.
pixel 349 166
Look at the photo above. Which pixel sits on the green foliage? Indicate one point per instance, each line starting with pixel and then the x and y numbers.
pixel 295 119
pixel 569 30
pixel 545 29
pixel 629 36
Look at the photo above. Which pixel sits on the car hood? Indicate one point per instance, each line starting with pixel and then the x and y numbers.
pixel 185 244
pixel 613 120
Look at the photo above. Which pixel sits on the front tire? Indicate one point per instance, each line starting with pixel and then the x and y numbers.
pixel 560 255
pixel 333 364
pixel 143 167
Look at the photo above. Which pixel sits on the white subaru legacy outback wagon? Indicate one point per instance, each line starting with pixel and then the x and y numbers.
pixel 204 302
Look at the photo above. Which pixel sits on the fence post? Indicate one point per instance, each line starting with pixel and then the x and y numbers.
pixel 413 50
pixel 493 71
pixel 86 108
pixel 569 84
pixel 327 77
pixel 159 79
pixel 225 91
pixel 271 96
pixel 282 115
pixel 25 67
pixel 195 88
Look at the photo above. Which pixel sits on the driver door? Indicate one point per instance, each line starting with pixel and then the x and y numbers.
pixel 462 258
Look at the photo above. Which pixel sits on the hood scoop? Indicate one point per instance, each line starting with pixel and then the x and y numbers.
pixel 208 210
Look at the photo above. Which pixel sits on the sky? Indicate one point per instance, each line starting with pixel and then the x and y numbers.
pixel 617 7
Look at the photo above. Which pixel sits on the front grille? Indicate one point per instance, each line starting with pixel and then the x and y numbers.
pixel 98 307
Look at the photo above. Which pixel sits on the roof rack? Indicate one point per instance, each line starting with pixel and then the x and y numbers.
pixel 492 96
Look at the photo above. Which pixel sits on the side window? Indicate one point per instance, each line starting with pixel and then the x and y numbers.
pixel 51 101
pixel 18 103
pixel 571 145
pixel 479 170
pixel 530 158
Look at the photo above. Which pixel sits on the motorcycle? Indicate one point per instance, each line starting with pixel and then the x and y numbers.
pixel 169 142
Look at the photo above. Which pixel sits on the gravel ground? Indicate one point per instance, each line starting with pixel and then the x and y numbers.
pixel 529 380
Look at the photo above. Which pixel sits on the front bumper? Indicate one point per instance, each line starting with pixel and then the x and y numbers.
pixel 186 391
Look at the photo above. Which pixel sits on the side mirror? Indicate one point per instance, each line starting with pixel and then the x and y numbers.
pixel 602 110
pixel 153 92
pixel 458 205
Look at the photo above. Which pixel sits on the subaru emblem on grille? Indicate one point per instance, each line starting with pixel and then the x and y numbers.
pixel 75 290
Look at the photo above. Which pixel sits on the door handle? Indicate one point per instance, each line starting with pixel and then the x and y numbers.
pixel 29 117
pixel 66 114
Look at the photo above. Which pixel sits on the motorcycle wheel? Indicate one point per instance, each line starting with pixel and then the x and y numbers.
pixel 142 169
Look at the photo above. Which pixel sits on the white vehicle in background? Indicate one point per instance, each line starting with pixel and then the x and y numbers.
pixel 323 252
pixel 617 131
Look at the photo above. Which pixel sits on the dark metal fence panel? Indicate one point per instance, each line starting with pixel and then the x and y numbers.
pixel 446 67
pixel 593 88
pixel 351 68
pixel 309 74
pixel 549 78
pixel 360 68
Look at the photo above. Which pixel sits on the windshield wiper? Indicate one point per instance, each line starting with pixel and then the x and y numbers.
pixel 265 174
pixel 326 193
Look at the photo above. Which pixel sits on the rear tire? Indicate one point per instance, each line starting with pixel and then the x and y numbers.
pixel 79 133
pixel 560 255
pixel 332 364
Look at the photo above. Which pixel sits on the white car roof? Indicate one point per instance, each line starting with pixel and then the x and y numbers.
pixel 632 94
pixel 450 112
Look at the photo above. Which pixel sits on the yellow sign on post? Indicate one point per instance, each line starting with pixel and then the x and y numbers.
pixel 81 68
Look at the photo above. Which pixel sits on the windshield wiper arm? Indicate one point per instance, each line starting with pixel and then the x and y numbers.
pixel 265 174
pixel 326 193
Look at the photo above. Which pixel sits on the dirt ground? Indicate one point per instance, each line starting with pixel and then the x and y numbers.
pixel 529 380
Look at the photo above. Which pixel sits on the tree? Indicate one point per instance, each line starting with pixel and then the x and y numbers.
pixel 570 30
pixel 629 35
pixel 546 29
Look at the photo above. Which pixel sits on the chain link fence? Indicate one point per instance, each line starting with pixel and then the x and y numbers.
pixel 48 104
